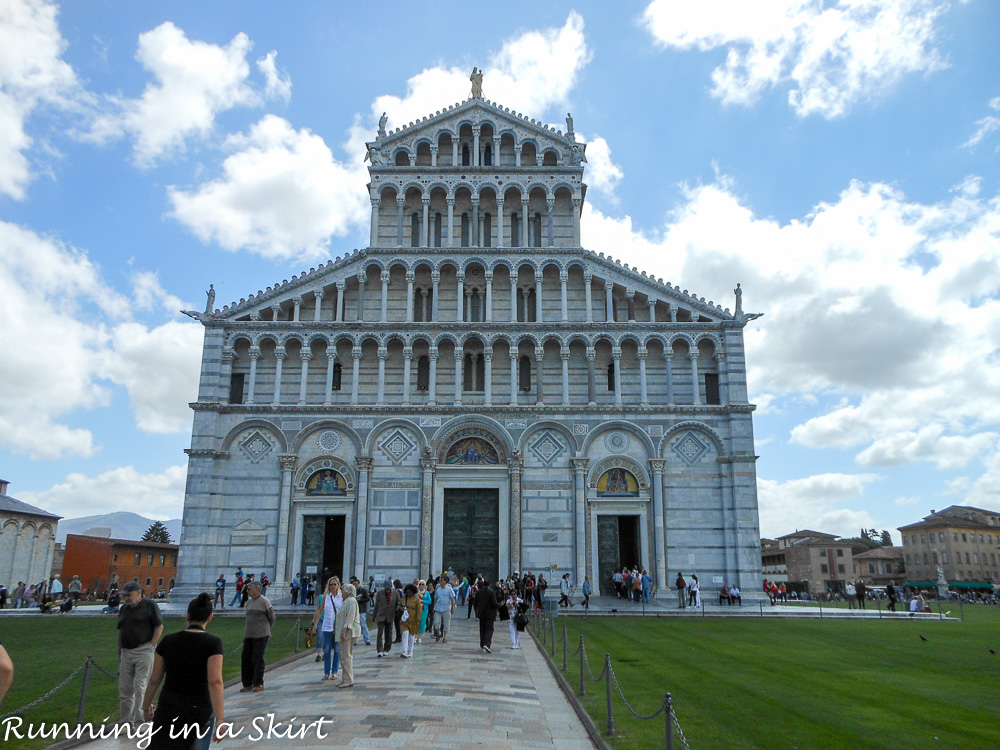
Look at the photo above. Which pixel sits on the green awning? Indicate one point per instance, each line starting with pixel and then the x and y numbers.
pixel 921 584
pixel 970 585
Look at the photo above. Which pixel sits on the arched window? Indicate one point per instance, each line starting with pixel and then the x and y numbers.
pixel 437 229
pixel 465 229
pixel 487 230
pixel 524 373
pixel 415 230
pixel 338 375
pixel 549 159
pixel 537 230
pixel 488 156
pixel 611 375
pixel 402 159
pixel 423 373
pixel 473 378
pixel 515 230
pixel 465 154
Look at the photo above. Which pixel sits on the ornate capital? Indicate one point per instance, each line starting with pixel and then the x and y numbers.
pixel 426 201
pixel 642 353
pixel 539 353
pixel 579 465
pixel 305 355
pixel 280 353
pixel 331 355
pixel 588 278
pixel 410 277
pixel 616 353
pixel 408 352
pixel 564 356
pixel 451 200
pixel 288 461
pixel 297 301
pixel 254 352
pixel 383 352
pixel 376 202
pixel 460 277
pixel 629 293
pixel 563 276
pixel 401 201
pixel 365 463
pixel 657 465
pixel 229 353
pixel 341 286
pixel 489 277
pixel 320 294
pixel 432 352
pixel 693 356
pixel 516 464
pixel 385 277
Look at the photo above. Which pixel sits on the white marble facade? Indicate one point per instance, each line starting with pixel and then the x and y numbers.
pixel 461 351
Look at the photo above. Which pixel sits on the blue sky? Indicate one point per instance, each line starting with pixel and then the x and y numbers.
pixel 838 159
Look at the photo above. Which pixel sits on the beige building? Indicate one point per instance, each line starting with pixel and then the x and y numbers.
pixel 964 542
pixel 879 566
pixel 27 541
pixel 808 561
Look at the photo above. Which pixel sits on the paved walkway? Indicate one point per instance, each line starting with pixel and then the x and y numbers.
pixel 449 695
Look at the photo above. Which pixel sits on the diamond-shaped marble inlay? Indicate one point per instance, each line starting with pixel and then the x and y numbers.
pixel 396 446
pixel 329 440
pixel 256 446
pixel 547 448
pixel 617 441
pixel 689 448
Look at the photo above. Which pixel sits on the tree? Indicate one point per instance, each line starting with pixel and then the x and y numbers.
pixel 157 532
pixel 886 538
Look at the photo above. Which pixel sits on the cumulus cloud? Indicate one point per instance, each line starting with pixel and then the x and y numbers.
pixel 149 294
pixel 986 125
pixel 603 173
pixel 32 75
pixel 282 195
pixel 884 306
pixel 814 502
pixel 67 336
pixel 194 82
pixel 115 490
pixel 831 54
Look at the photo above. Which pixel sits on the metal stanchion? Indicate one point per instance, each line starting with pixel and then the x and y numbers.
pixel 607 682
pixel 83 690
pixel 552 638
pixel 961 607
pixel 298 628
pixel 821 609
pixel 760 603
pixel 565 642
pixel 670 728
pixel 583 666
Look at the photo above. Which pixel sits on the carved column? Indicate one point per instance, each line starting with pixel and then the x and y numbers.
pixel 360 314
pixel 474 224
pixel 435 305
pixel 668 358
pixel 656 467
pixel 539 373
pixel 407 365
pixel 374 231
pixel 609 307
pixel 451 220
pixel 488 378
pixel 458 376
pixel 252 388
pixel 616 355
pixel 409 296
pixel 577 205
pixel 517 155
pixel 356 375
pixel 281 567
pixel 424 310
pixel 587 281
pixel 514 467
pixel 341 293
pixel 672 309
pixel 426 510
pixel 630 301
pixel 400 203
pixel 226 376
pixel 524 222
pixel 496 151
pixel 489 298
pixel 468 304
pixel 513 376
pixel 652 310
pixel 550 226
pixel 695 386
pixel 580 515
pixel 279 356
pixel 475 146
pixel 513 296
pixel 563 280
pixel 425 229
pixel 500 230
pixel 434 156
pixel 305 355
pixel 564 356
pixel 385 296
pixel 591 377
pixel 380 394
pixel 643 391
pixel 331 360
pixel 318 312
pixel 459 297
pixel 432 354
pixel 365 465
pixel 720 357
pixel 275 312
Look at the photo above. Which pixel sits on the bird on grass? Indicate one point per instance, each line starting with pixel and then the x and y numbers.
pixel 993 652
pixel 921 637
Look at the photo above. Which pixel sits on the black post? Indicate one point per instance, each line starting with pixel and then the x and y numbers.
pixel 583 667
pixel 565 646
pixel 607 682
pixel 83 690
pixel 552 639
pixel 298 627
pixel 670 726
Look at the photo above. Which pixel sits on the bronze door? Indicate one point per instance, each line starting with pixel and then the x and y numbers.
pixel 472 531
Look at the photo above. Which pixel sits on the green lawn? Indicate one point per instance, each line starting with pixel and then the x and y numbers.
pixel 45 650
pixel 769 683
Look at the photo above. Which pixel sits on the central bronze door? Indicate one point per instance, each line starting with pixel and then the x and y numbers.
pixel 472 531
pixel 617 547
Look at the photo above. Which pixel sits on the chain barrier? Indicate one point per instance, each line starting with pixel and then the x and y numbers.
pixel 680 732
pixel 591 671
pixel 48 695
pixel 636 714
pixel 102 669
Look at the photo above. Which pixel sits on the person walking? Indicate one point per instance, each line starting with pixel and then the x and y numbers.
pixel 513 605
pixel 486 613
pixel 326 611
pixel 386 604
pixel 695 592
pixel 294 590
pixel 425 600
pixel 587 590
pixel 238 592
pixel 862 592
pixel 347 626
pixel 140 626
pixel 363 598
pixel 444 607
pixel 890 591
pixel 259 621
pixel 220 591
pixel 564 591
pixel 413 606
pixel 189 665
pixel 680 585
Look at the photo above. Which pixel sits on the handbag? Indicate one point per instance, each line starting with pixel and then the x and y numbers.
pixel 504 614
pixel 406 611
pixel 520 619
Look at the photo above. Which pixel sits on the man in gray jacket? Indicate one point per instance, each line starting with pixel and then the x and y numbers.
pixel 385 606
pixel 260 619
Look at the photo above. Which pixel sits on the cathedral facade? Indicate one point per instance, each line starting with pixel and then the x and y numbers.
pixel 474 391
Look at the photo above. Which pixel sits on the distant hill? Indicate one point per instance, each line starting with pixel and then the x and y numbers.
pixel 124 525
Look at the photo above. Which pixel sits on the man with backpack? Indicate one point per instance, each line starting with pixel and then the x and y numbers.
pixel 680 584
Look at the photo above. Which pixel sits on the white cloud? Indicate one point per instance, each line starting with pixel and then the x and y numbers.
pixel 928 443
pixel 32 74
pixel 602 172
pixel 282 195
pixel 986 125
pixel 194 82
pixel 906 500
pixel 65 334
pixel 832 54
pixel 814 503
pixel 115 490
pixel 149 294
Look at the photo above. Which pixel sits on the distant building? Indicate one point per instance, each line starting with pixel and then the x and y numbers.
pixel 27 540
pixel 98 560
pixel 809 561
pixel 963 541
pixel 880 565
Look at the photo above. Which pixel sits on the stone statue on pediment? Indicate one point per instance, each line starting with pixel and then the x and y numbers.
pixel 381 124
pixel 477 82
pixel 211 299
pixel 739 300
pixel 569 125
pixel 374 156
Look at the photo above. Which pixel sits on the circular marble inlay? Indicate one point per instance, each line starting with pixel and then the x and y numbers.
pixel 617 441
pixel 329 440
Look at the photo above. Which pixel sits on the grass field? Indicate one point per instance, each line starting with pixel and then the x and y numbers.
pixel 769 683
pixel 46 650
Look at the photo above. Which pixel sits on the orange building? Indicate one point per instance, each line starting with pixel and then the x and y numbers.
pixel 98 560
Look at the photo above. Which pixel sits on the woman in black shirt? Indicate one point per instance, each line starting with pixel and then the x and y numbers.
pixel 189 664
